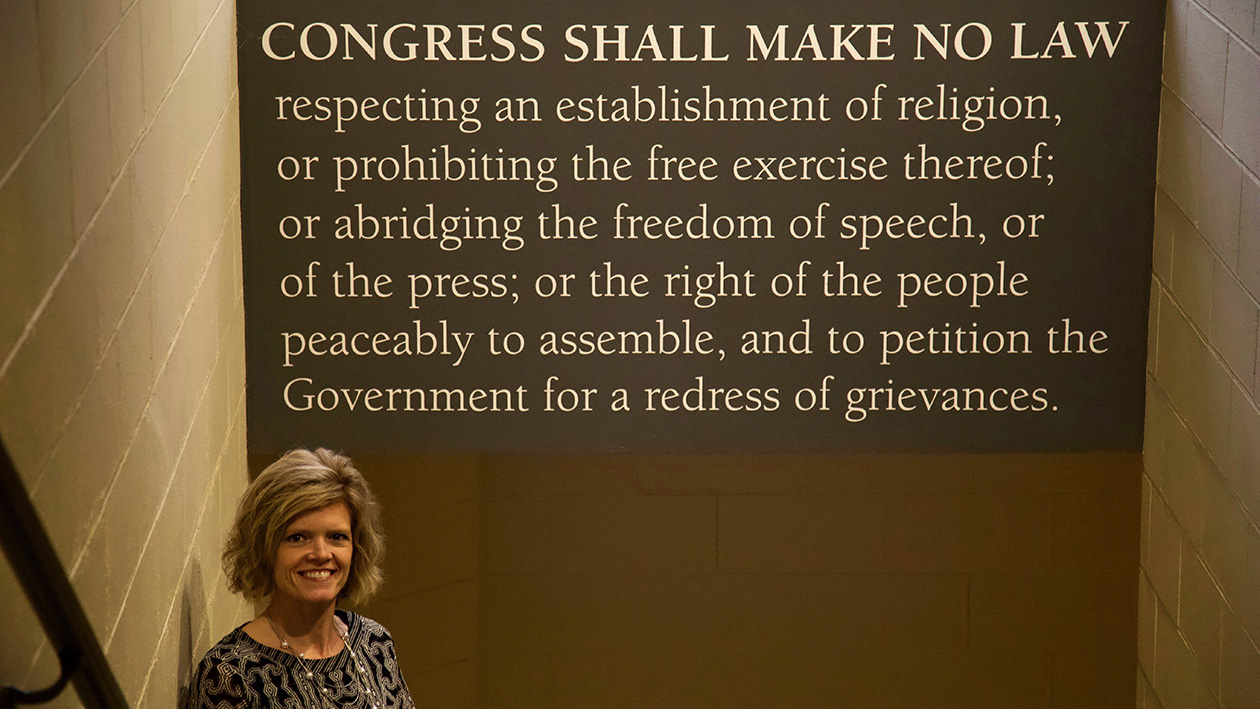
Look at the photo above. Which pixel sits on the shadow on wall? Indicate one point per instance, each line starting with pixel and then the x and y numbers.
pixel 192 612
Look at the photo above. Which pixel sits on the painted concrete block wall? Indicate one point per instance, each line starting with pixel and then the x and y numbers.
pixel 1199 586
pixel 121 338
pixel 429 601
pixel 747 581
pixel 880 581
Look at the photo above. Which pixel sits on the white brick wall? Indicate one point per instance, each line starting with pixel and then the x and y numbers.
pixel 121 336
pixel 1199 591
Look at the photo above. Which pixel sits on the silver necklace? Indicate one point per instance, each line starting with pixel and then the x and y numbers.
pixel 361 678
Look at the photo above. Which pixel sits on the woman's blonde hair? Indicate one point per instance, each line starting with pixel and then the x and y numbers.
pixel 303 481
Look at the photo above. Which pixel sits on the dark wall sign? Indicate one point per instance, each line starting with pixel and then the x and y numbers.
pixel 703 226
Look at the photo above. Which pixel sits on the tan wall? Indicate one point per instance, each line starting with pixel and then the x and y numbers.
pixel 121 345
pixel 729 581
pixel 1200 582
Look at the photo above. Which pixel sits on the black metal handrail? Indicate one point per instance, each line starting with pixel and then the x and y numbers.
pixel 31 554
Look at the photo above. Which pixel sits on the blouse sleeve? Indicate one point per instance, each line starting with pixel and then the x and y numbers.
pixel 377 648
pixel 404 694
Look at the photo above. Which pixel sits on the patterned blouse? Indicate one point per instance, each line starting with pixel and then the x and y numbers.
pixel 242 673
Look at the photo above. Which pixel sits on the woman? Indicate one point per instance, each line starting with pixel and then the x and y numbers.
pixel 307 533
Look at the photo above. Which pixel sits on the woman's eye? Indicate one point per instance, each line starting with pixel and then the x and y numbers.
pixel 294 538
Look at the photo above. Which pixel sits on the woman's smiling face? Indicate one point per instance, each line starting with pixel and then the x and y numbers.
pixel 313 560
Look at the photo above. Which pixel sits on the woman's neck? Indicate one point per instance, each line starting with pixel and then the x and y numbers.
pixel 309 630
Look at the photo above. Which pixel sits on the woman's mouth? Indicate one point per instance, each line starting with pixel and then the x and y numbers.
pixel 317 575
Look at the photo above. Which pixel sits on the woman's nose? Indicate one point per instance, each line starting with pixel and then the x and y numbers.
pixel 319 549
